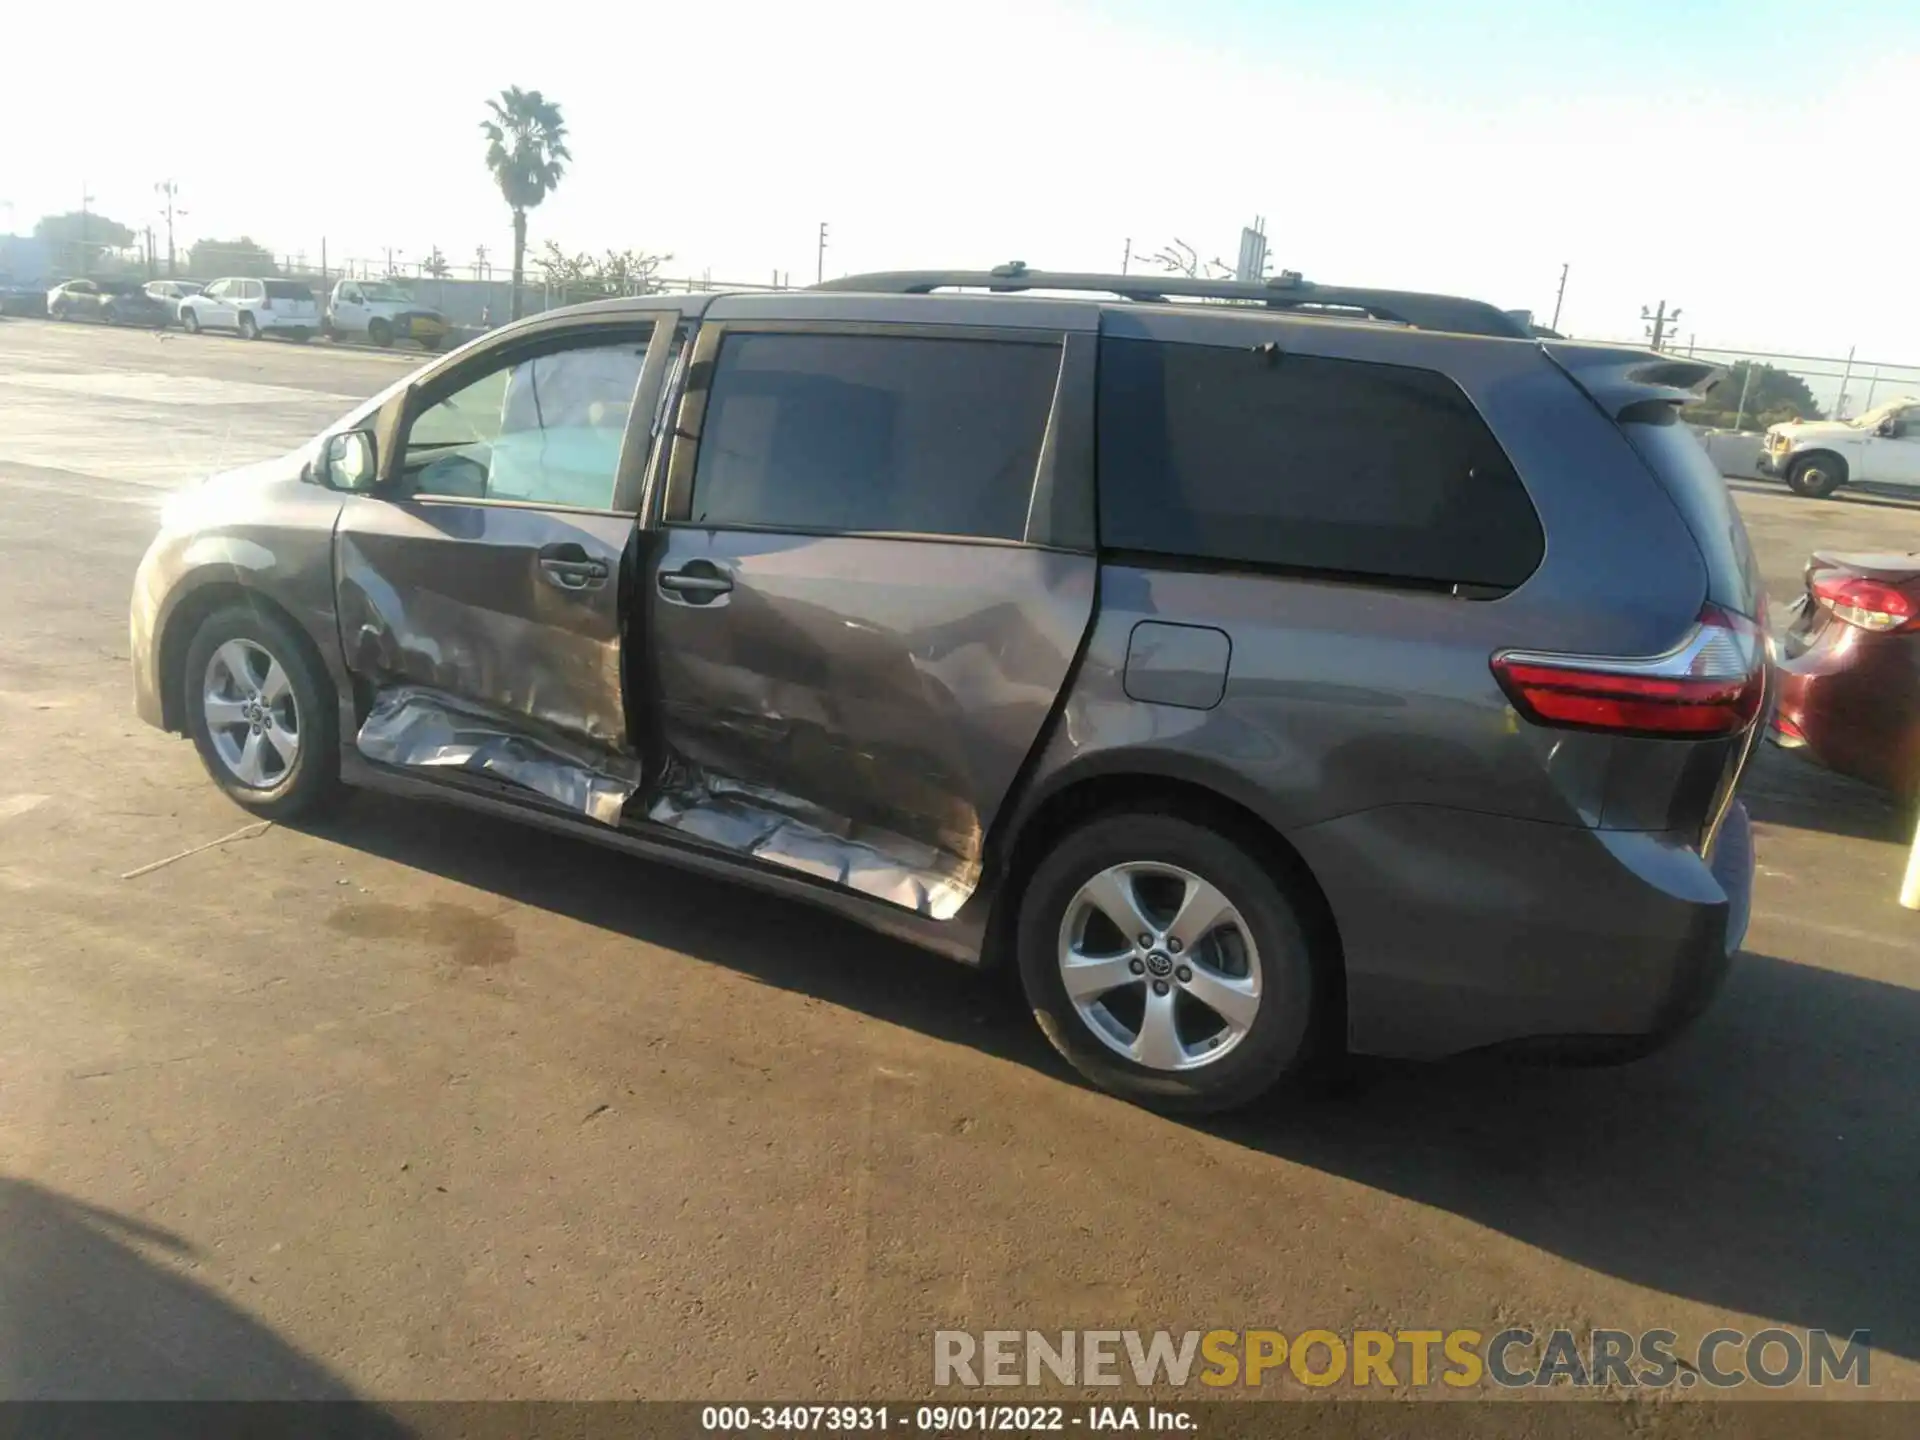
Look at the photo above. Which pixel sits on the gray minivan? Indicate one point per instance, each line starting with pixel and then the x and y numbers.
pixel 1262 669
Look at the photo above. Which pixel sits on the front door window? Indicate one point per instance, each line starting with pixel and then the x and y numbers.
pixel 545 430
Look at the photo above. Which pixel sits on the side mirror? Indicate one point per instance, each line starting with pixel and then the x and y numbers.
pixel 347 463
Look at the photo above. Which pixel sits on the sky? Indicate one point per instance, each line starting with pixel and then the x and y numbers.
pixel 1753 164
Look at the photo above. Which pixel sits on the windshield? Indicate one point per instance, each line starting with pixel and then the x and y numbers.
pixel 1871 420
pixel 385 292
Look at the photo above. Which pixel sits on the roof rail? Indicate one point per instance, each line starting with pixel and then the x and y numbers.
pixel 1286 291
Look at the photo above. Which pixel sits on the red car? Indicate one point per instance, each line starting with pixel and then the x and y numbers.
pixel 1850 669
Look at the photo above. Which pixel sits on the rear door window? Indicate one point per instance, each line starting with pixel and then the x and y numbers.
pixel 852 433
pixel 1255 458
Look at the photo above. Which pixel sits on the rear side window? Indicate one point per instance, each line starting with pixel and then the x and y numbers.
pixel 849 433
pixel 1675 455
pixel 1336 466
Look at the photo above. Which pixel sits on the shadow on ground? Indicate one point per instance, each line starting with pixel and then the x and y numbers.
pixel 1889 496
pixel 1784 789
pixel 94 1305
pixel 1765 1164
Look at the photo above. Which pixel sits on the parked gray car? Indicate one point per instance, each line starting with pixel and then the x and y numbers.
pixel 1328 668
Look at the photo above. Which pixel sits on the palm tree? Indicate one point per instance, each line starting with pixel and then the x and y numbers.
pixel 527 153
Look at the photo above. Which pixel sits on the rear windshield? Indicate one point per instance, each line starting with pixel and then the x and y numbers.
pixel 288 290
pixel 1301 463
pixel 1674 453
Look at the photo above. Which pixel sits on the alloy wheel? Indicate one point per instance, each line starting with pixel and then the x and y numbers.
pixel 251 713
pixel 1159 965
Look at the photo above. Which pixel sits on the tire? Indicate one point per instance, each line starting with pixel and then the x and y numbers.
pixel 1156 859
pixel 380 332
pixel 108 317
pixel 1817 475
pixel 190 322
pixel 57 312
pixel 241 752
pixel 249 329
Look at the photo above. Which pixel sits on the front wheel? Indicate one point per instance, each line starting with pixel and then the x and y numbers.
pixel 262 714
pixel 380 333
pixel 190 322
pixel 1817 475
pixel 1166 965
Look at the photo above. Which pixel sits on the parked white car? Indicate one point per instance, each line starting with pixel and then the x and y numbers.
pixel 380 311
pixel 252 308
pixel 1817 457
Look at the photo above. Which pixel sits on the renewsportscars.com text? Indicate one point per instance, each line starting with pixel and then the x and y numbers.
pixel 1513 1358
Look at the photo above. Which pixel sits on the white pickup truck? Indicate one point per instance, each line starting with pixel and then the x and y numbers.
pixel 380 311
pixel 1817 457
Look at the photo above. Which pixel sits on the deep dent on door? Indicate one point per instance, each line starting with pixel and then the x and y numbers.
pixel 547 725
pixel 898 686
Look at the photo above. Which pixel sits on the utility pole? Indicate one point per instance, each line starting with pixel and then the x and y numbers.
pixel 168 190
pixel 820 256
pixel 1554 324
pixel 1126 258
pixel 85 257
pixel 1658 320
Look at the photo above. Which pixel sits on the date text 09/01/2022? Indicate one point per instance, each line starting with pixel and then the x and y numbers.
pixel 944 1419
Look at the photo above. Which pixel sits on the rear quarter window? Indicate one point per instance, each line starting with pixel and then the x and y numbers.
pixel 1681 463
pixel 1295 462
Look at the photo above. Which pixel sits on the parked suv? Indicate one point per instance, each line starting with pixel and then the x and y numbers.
pixel 252 308
pixel 1328 667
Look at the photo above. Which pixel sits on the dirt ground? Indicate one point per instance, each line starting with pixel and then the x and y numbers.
pixel 420 1105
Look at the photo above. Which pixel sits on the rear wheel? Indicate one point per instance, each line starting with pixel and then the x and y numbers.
pixel 1165 965
pixel 190 322
pixel 57 312
pixel 1817 475
pixel 261 713
pixel 249 329
pixel 380 332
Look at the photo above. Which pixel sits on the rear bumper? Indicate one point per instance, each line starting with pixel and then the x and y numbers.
pixel 1464 930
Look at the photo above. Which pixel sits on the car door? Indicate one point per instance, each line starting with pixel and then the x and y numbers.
pixel 481 582
pixel 1897 455
pixel 860 615
pixel 215 306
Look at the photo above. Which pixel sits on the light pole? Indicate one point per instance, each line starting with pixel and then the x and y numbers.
pixel 820 256
pixel 168 190
pixel 1554 324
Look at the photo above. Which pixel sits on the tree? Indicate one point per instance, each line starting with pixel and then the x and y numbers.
pixel 211 259
pixel 1773 397
pixel 527 153
pixel 76 240
pixel 436 265
pixel 1180 258
pixel 617 272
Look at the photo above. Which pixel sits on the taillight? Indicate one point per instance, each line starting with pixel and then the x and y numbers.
pixel 1713 683
pixel 1870 604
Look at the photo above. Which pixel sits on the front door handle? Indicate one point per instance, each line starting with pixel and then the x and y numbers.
pixel 699 583
pixel 567 566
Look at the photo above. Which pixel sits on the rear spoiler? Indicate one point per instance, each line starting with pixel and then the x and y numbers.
pixel 1627 382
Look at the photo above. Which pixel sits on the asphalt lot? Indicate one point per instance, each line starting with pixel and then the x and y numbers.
pixel 420 1105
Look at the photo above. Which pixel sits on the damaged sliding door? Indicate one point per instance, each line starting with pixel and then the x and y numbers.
pixel 857 628
pixel 481 589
